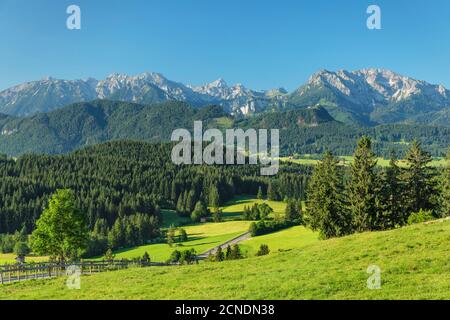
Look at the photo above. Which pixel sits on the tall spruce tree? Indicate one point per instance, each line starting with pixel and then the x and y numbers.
pixel 219 256
pixel 214 197
pixel 392 195
pixel 445 189
pixel 290 211
pixel 326 212
pixel 170 237
pixel 260 194
pixel 418 180
pixel 190 201
pixel 272 191
pixel 293 210
pixel 363 188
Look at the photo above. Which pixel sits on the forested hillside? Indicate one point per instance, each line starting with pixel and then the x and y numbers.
pixel 309 130
pixel 119 179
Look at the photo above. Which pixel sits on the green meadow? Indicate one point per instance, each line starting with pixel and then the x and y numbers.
pixel 8 258
pixel 201 237
pixel 234 208
pixel 414 263
pixel 347 160
pixel 293 238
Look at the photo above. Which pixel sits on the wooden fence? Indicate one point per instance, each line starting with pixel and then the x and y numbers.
pixel 13 273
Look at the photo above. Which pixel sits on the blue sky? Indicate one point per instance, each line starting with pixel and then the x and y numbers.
pixel 262 44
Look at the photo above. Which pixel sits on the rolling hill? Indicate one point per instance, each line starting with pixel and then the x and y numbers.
pixel 413 262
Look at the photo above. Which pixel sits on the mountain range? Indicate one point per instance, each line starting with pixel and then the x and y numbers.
pixel 366 97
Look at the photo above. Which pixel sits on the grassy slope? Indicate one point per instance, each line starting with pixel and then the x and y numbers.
pixel 202 237
pixel 292 238
pixel 6 258
pixel 414 263
pixel 234 208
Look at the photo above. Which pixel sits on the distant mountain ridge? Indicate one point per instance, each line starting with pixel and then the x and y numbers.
pixel 364 97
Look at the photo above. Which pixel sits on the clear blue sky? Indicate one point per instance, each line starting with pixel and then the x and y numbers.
pixel 262 44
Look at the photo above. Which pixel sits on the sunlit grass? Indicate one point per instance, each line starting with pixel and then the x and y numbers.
pixel 201 237
pixel 8 258
pixel 234 208
pixel 414 264
pixel 288 239
pixel 347 160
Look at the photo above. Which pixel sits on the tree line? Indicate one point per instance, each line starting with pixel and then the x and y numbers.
pixel 364 197
pixel 120 188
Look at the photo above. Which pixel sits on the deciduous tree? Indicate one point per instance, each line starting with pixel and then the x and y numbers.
pixel 61 231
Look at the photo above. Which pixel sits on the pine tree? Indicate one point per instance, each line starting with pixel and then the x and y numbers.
pixel 260 195
pixel 183 235
pixel 228 253
pixel 247 213
pixel 263 250
pixel 392 195
pixel 21 236
pixel 255 212
pixel 293 211
pixel 214 197
pixel 289 213
pixel 190 201
pixel 418 180
pixel 299 211
pixel 199 211
pixel 171 236
pixel 217 215
pixel 236 252
pixel 173 191
pixel 326 211
pixel 363 188
pixel 180 205
pixel 109 256
pixel 272 192
pixel 146 257
pixel 445 189
pixel 219 256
